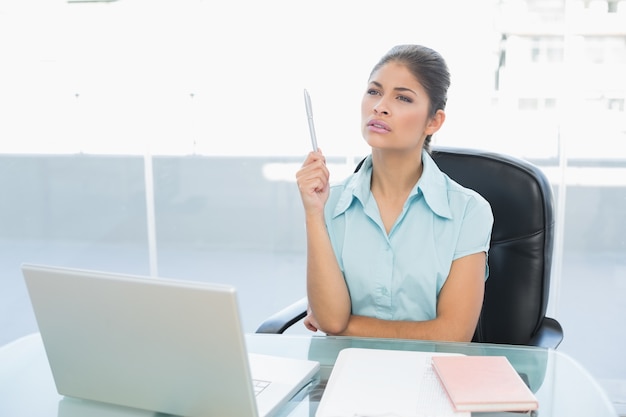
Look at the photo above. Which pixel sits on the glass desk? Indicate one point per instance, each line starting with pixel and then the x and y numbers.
pixel 561 385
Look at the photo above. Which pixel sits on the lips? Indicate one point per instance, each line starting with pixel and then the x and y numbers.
pixel 378 126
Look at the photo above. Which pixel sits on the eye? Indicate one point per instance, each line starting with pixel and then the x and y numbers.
pixel 372 92
pixel 405 99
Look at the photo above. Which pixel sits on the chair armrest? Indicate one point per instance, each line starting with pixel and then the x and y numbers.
pixel 549 335
pixel 278 322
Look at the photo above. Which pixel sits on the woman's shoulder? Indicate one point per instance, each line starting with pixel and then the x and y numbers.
pixel 354 186
pixel 458 196
pixel 341 191
pixel 465 197
pixel 456 189
pixel 356 182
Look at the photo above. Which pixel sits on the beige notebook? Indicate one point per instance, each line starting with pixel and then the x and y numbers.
pixel 483 383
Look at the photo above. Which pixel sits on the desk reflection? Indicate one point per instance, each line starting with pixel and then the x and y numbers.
pixel 74 407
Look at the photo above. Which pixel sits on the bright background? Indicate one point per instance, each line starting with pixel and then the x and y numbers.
pixel 161 137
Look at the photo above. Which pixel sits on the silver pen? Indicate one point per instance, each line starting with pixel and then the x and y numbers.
pixel 309 114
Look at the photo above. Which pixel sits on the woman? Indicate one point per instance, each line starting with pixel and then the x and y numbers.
pixel 398 249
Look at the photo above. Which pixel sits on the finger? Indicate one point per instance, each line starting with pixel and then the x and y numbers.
pixel 313 178
pixel 309 325
pixel 314 169
pixel 313 157
pixel 311 328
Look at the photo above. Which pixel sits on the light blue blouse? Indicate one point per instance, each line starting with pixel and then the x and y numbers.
pixel 398 276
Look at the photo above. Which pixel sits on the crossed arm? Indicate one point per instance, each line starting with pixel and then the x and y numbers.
pixel 458 308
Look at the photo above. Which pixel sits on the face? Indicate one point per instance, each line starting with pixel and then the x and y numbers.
pixel 394 110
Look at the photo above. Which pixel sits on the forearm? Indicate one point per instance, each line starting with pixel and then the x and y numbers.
pixel 327 292
pixel 441 329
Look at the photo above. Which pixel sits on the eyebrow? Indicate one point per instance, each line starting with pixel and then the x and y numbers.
pixel 400 89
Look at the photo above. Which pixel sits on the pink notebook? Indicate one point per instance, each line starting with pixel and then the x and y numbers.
pixel 483 383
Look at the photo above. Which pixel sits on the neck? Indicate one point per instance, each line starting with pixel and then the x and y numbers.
pixel 395 174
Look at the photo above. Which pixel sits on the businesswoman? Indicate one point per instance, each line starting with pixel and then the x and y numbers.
pixel 398 249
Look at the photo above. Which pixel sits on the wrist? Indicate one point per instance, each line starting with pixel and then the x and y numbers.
pixel 315 219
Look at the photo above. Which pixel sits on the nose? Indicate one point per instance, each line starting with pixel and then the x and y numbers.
pixel 381 107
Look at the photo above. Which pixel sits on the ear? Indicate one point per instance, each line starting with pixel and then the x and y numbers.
pixel 435 122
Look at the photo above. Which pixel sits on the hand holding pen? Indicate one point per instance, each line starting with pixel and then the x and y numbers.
pixel 313 176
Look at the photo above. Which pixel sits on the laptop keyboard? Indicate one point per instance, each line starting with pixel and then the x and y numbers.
pixel 259 385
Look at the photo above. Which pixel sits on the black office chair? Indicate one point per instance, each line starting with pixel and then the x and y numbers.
pixel 520 256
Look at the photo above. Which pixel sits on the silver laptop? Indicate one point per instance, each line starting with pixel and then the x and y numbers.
pixel 156 344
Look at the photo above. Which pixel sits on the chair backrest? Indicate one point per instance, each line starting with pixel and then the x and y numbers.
pixel 520 255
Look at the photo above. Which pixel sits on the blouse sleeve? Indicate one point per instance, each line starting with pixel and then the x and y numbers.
pixel 475 229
